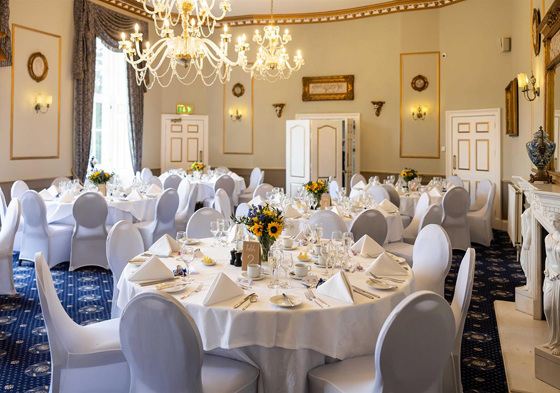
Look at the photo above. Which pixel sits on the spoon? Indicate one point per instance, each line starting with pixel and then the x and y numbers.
pixel 252 299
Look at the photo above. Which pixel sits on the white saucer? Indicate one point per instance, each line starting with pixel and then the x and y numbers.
pixel 293 275
pixel 290 248
pixel 191 242
pixel 319 266
pixel 280 301
pixel 378 285
pixel 244 274
pixel 175 288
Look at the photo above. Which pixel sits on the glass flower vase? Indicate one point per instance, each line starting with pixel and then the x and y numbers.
pixel 266 243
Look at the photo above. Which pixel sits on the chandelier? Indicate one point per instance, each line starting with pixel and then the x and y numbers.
pixel 188 56
pixel 272 61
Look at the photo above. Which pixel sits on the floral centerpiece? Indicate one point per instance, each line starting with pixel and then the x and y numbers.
pixel 197 166
pixel 266 223
pixel 409 174
pixel 317 189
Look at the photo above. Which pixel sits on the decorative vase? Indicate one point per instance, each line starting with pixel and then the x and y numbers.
pixel 102 188
pixel 540 150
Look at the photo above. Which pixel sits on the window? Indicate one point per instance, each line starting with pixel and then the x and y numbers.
pixel 110 143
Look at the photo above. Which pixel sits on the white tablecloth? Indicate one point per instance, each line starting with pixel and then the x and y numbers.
pixel 284 343
pixel 409 202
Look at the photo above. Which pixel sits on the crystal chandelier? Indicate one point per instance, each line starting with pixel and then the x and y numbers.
pixel 188 56
pixel 272 61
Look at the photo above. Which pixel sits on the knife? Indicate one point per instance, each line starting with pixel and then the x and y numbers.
pixel 288 300
pixel 244 300
pixel 383 282
pixel 144 284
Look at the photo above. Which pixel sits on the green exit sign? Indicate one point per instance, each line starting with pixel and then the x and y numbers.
pixel 185 109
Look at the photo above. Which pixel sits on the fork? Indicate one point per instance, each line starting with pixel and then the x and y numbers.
pixel 318 298
pixel 198 289
pixel 312 300
pixel 386 278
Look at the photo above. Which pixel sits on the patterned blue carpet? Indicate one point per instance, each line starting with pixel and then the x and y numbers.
pixel 86 295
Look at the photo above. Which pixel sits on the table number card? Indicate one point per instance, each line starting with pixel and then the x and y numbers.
pixel 251 254
pixel 325 201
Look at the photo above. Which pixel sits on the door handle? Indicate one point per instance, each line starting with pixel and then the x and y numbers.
pixel 200 156
pixel 454 162
pixel 178 120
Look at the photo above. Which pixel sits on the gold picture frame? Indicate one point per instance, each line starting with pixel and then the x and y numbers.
pixel 512 109
pixel 328 88
pixel 38 66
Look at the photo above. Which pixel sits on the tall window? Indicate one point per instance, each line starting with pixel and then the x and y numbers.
pixel 110 144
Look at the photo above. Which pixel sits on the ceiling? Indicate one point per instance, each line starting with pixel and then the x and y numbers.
pixel 247 12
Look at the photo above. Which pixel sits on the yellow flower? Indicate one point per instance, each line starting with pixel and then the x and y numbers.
pixel 274 229
pixel 255 219
pixel 106 175
pixel 268 213
pixel 257 229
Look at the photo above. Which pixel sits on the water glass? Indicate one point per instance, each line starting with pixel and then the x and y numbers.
pixel 187 255
pixel 273 263
pixel 181 238
pixel 318 231
pixel 287 264
pixel 215 229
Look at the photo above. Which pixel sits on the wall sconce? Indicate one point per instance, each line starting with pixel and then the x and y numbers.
pixel 235 116
pixel 278 108
pixel 419 114
pixel 523 82
pixel 377 105
pixel 41 103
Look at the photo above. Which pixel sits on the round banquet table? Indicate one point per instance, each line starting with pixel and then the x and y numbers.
pixel 283 343
pixel 119 209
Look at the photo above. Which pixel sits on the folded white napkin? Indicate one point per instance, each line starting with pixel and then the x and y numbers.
pixel 152 269
pixel 450 186
pixel 66 197
pixel 257 201
pixel 337 211
pixel 367 247
pixel 384 265
pixel 222 288
pixel 134 196
pixel 300 236
pixel 360 185
pixel 232 233
pixel 291 212
pixel 46 195
pixel 199 254
pixel 388 206
pixel 153 189
pixel 338 287
pixel 165 246
pixel 54 190
pixel 434 192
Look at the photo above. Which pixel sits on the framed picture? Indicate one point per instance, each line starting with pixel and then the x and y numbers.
pixel 328 88
pixel 512 109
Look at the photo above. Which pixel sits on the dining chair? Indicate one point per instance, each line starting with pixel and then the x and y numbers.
pixel 412 349
pixel 222 169
pixel 411 231
pixel 379 193
pixel 3 207
pixel 254 180
pixel 455 180
pixel 18 188
pixel 455 205
pixel 90 232
pixel 242 210
pixel 83 358
pixel 261 190
pixel 481 195
pixel 226 183
pixel 480 221
pixel 334 189
pixel 198 226
pixel 431 258
pixel 59 180
pixel 146 175
pixel 433 215
pixel 329 220
pixel 183 216
pixel 370 222
pixel 393 194
pixel 261 179
pixel 460 307
pixel 172 181
pixel 222 203
pixel 124 242
pixel 53 240
pixel 155 181
pixel 7 235
pixel 356 178
pixel 169 334
pixel 164 220
pixel 183 192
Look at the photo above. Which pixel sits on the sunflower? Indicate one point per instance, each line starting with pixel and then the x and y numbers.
pixel 275 229
pixel 257 229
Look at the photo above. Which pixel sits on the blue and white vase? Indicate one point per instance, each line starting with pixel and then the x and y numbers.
pixel 540 150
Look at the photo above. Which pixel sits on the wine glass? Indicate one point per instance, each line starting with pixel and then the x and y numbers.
pixel 342 192
pixel 336 238
pixel 287 264
pixel 273 268
pixel 391 179
pixel 215 229
pixel 187 255
pixel 181 238
pixel 222 231
pixel 318 228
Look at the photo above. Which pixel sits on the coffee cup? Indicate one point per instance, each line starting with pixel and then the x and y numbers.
pixel 322 260
pixel 301 269
pixel 318 248
pixel 254 270
pixel 287 242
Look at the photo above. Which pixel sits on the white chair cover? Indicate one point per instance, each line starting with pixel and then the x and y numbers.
pixel 334 189
pixel 7 235
pixel 146 175
pixel 83 358
pixel 90 233
pixel 59 180
pixel 481 195
pixel 372 223
pixel 455 206
pixel 356 178
pixel 18 188
pixel 460 307
pixel 184 215
pixel 124 242
pixel 411 231
pixel 226 183
pixel 432 216
pixel 172 181
pixel 411 352
pixel 52 240
pixel 379 193
pixel 242 210
pixel 253 180
pixel 261 179
pixel 222 203
pixel 183 192
pixel 3 206
pixel 480 221
pixel 456 180
pixel 223 169
pixel 154 180
pixel 164 351
pixel 330 220
pixel 432 259
pixel 393 194
pixel 164 221
pixel 198 226
pixel 261 190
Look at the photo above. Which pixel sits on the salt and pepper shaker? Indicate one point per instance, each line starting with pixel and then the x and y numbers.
pixel 232 260
pixel 238 262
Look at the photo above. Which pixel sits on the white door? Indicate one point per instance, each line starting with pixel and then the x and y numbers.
pixel 298 157
pixel 326 149
pixel 183 141
pixel 475 151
